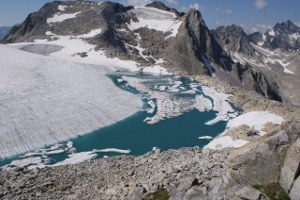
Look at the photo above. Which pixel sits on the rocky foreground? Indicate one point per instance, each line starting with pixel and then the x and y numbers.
pixel 268 167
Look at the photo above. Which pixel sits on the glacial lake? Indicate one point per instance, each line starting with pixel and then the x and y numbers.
pixel 134 134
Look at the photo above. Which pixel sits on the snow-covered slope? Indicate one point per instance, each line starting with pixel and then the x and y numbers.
pixel 45 100
pixel 154 18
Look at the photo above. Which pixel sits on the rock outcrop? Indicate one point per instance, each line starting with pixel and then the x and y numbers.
pixel 233 38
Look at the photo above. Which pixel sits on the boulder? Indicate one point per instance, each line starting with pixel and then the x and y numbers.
pixel 289 176
pixel 260 161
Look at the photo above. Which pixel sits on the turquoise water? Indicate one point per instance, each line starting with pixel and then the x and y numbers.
pixel 139 137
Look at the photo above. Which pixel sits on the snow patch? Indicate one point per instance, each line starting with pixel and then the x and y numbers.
pixel 295 36
pixel 271 32
pixel 224 142
pixel 62 8
pixel 256 119
pixel 61 17
pixel 156 19
pixel 91 34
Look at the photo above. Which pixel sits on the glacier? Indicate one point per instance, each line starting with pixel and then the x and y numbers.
pixel 44 100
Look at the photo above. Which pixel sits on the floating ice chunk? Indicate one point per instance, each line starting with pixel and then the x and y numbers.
pixel 220 104
pixel 113 150
pixel 58 151
pixel 26 162
pixel 205 138
pixel 152 106
pixel 203 104
pixel 77 158
pixel 162 87
pixel 120 80
pixel 69 144
pixel 55 147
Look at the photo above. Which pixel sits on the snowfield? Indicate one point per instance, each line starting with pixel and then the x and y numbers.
pixel 57 18
pixel 255 119
pixel 153 18
pixel 44 100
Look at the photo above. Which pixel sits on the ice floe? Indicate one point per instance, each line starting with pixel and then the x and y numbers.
pixel 77 158
pixel 26 162
pixel 205 138
pixel 170 105
pixel 112 150
pixel 220 104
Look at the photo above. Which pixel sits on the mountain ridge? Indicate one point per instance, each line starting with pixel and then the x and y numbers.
pixel 156 35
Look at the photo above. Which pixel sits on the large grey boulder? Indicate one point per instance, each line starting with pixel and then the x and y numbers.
pixel 289 177
pixel 260 161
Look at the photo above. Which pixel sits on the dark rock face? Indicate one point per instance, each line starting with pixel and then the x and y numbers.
pixel 4 30
pixel 255 37
pixel 287 27
pixel 90 16
pixel 195 48
pixel 285 35
pixel 233 38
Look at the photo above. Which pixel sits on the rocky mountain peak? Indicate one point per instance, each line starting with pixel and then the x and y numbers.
pixel 287 27
pixel 284 35
pixel 255 37
pixel 195 39
pixel 233 38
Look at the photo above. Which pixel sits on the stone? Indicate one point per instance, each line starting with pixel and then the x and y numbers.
pixel 290 166
pixel 258 162
pixel 249 193
pixel 295 190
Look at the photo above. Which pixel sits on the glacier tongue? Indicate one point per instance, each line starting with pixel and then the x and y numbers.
pixel 44 100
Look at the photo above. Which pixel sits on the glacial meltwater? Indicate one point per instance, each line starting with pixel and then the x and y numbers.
pixel 171 119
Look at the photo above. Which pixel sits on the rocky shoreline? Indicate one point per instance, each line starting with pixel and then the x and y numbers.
pixel 266 165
